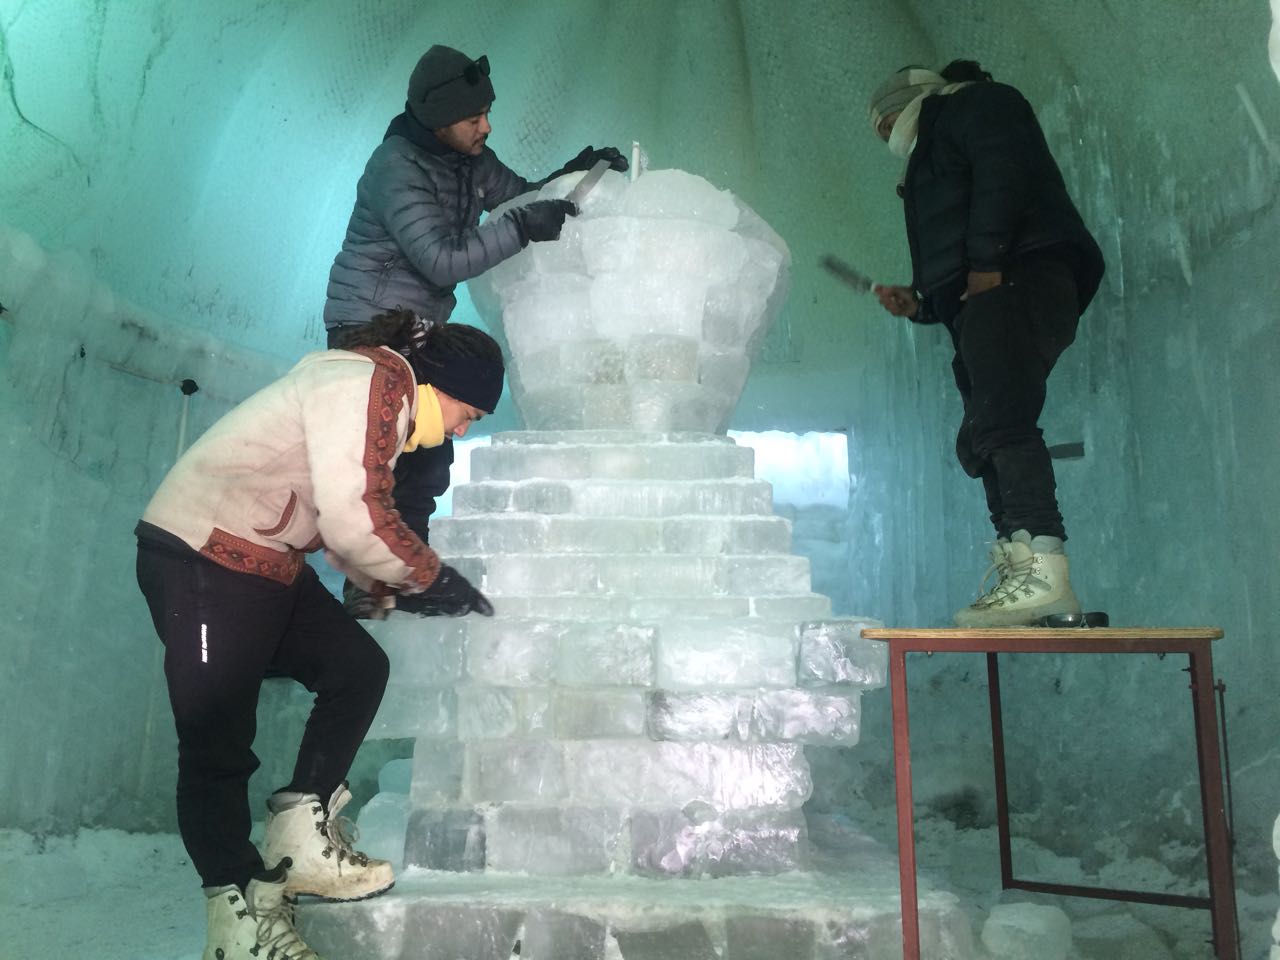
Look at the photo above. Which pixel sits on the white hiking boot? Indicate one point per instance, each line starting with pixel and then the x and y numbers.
pixel 1034 583
pixel 318 841
pixel 254 924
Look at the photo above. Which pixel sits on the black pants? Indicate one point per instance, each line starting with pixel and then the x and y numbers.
pixel 225 632
pixel 1007 341
pixel 421 477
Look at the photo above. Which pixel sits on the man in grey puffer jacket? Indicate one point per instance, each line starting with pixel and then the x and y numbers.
pixel 415 232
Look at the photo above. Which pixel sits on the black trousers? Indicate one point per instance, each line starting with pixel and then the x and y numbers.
pixel 1007 341
pixel 224 633
pixel 421 477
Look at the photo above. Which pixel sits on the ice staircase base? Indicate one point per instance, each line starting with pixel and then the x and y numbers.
pixel 848 909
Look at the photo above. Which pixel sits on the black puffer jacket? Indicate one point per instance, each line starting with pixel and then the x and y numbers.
pixel 415 232
pixel 982 190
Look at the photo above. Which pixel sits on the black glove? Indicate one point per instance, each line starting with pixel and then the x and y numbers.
pixel 542 219
pixel 450 595
pixel 588 157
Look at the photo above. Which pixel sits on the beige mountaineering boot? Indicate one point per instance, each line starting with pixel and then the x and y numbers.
pixel 318 841
pixel 254 924
pixel 1034 583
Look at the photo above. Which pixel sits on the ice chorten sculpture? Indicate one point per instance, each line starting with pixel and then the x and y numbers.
pixel 635 716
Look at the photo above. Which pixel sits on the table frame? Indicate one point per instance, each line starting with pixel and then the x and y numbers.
pixel 1193 641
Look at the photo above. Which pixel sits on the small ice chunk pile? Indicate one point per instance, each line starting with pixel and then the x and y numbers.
pixel 645 314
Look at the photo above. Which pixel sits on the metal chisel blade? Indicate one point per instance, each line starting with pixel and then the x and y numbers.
pixel 583 186
pixel 854 278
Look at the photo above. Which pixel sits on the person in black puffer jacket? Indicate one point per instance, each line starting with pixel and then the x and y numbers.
pixel 1002 259
pixel 415 232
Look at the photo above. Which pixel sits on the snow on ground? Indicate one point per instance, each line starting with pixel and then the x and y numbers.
pixel 110 895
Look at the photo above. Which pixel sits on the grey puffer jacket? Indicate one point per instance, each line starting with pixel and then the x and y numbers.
pixel 415 232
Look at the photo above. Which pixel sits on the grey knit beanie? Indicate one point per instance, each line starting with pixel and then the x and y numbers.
pixel 900 89
pixel 442 90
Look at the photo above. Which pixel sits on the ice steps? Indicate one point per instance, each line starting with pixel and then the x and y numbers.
pixel 707 459
pixel 696 534
pixel 682 679
pixel 607 497
pixel 609 652
pixel 635 576
pixel 823 914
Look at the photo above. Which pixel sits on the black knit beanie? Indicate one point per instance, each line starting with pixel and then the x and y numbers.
pixel 441 94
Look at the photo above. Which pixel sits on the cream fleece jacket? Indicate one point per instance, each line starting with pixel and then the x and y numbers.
pixel 305 464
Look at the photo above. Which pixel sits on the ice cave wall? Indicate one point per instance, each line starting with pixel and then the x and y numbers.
pixel 175 178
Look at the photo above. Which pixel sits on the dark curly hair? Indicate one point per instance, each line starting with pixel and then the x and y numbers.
pixel 429 345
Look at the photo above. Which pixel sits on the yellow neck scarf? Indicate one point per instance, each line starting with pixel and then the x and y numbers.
pixel 428 428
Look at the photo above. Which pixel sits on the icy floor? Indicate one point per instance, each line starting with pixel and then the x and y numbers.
pixel 108 895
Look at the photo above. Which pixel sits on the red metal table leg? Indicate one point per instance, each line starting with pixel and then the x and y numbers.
pixel 1217 843
pixel 906 812
pixel 1002 791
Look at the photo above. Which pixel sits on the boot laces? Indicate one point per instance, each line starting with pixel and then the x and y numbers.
pixel 340 834
pixel 1020 578
pixel 999 568
pixel 278 937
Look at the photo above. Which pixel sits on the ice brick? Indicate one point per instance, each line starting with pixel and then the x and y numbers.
pixel 805 606
pixel 698 716
pixel 488 534
pixel 767 937
pixel 413 711
pixel 726 535
pixel 671 775
pixel 567 608
pixel 658 499
pixel 555 841
pixel 437 773
pixel 805 716
pixel 458 930
pixel 726 653
pixel 627 575
pixel 774 575
pixel 552 935
pixel 490 713
pixel 426 652
pixel 596 654
pixel 513 653
pixel 687 941
pixel 626 304
pixel 566 534
pixel 660 357
pixel 579 714
pixel 673 843
pixel 511 770
pixel 624 461
pixel 540 311
pixel 451 838
pixel 542 496
pixel 586 361
pixel 678 406
pixel 834 652
pixel 678 608
pixel 469 498
pixel 372 929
